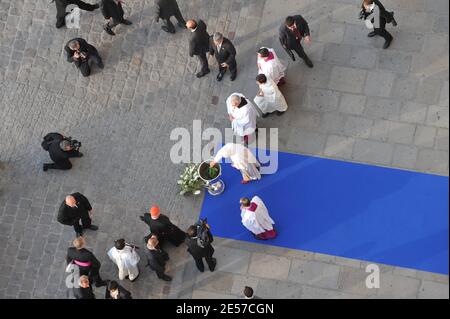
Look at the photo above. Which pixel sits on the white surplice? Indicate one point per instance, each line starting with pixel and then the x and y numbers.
pixel 241 158
pixel 244 122
pixel 126 260
pixel 273 68
pixel 273 100
pixel 256 217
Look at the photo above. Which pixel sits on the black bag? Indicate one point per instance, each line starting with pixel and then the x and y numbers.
pixel 49 138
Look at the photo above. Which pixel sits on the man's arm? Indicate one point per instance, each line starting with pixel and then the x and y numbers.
pixel 191 47
pixel 232 52
pixel 303 26
pixel 83 200
pixel 211 46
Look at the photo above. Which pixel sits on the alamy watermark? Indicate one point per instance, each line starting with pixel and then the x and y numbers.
pixel 373 280
pixel 73 16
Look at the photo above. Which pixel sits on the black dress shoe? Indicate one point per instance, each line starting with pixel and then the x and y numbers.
pixel 387 44
pixel 166 278
pixel 97 5
pixel 233 77
pixel 309 62
pixel 280 113
pixel 265 115
pixel 215 264
pixel 372 34
pixel 202 74
pixel 92 227
pixel 220 76
pixel 109 31
pixel 45 167
pixel 126 22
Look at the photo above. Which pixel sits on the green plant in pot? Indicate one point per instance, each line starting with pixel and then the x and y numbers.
pixel 190 181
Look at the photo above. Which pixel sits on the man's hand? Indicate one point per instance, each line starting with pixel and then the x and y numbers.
pixel 90 213
pixel 212 164
pixel 224 65
pixel 260 93
pixel 308 39
pixel 76 55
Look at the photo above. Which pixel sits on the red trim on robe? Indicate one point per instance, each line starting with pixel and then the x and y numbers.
pixel 270 57
pixel 252 207
pixel 270 234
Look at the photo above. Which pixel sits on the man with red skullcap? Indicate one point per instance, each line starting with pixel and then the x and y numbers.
pixel 161 226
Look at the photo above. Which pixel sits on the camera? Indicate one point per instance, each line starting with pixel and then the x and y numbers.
pixel 74 143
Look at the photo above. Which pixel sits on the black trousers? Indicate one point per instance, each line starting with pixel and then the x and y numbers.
pixel 300 51
pixel 61 19
pixel 64 164
pixel 204 62
pixel 169 23
pixel 382 32
pixel 86 222
pixel 232 67
pixel 209 260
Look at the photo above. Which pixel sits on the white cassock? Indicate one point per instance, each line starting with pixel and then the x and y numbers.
pixel 272 67
pixel 126 260
pixel 244 122
pixel 241 158
pixel 273 100
pixel 256 217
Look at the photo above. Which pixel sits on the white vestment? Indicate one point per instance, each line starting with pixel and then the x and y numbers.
pixel 257 220
pixel 244 122
pixel 127 260
pixel 241 158
pixel 273 68
pixel 273 100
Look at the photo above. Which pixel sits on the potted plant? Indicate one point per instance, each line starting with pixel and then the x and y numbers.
pixel 190 181
pixel 211 177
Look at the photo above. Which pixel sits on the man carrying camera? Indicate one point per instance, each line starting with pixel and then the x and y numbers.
pixel 60 149
pixel 82 53
pixel 199 245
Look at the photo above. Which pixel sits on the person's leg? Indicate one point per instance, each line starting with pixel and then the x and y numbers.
pixel 199 264
pixel 301 53
pixel 384 33
pixel 60 21
pixel 96 58
pixel 168 26
pixel 212 262
pixel 180 19
pixel 86 220
pixel 111 24
pixel 204 65
pixel 95 277
pixel 85 69
pixel 222 72
pixel 78 228
pixel 63 165
pixel 85 6
pixel 233 71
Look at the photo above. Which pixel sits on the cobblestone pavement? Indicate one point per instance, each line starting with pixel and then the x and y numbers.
pixel 359 103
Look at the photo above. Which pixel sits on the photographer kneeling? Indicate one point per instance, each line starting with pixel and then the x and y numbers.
pixel 199 245
pixel 82 53
pixel 60 149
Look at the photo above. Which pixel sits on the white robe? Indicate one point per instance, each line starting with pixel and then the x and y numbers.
pixel 244 122
pixel 273 69
pixel 259 221
pixel 273 100
pixel 241 158
pixel 126 260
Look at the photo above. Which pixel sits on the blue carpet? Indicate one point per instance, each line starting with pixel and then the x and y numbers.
pixel 357 211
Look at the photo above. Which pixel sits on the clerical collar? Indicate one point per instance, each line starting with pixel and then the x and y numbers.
pixel 270 57
pixel 193 30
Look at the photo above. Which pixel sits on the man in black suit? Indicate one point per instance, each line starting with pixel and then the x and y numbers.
pixel 199 44
pixel 84 289
pixel 113 11
pixel 116 291
pixel 87 263
pixel 165 9
pixel 156 258
pixel 225 54
pixel 61 6
pixel 200 248
pixel 60 150
pixel 74 208
pixel 82 54
pixel 294 29
pixel 379 21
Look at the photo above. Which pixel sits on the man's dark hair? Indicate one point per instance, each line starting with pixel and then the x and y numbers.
pixel 261 78
pixel 192 231
pixel 264 52
pixel 113 285
pixel 248 292
pixel 119 244
pixel 289 21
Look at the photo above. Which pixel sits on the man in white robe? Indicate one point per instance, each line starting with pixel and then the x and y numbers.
pixel 269 98
pixel 255 217
pixel 270 65
pixel 241 159
pixel 126 259
pixel 242 114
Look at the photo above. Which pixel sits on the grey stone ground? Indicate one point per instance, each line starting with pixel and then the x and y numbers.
pixel 359 103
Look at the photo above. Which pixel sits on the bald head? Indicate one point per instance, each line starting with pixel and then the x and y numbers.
pixel 74 45
pixel 152 242
pixel 71 201
pixel 191 24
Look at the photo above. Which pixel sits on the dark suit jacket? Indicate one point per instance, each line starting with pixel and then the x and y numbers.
pixel 287 37
pixel 84 47
pixel 385 16
pixel 83 293
pixel 197 251
pixel 199 41
pixel 157 259
pixel 56 153
pixel 110 9
pixel 164 229
pixel 166 8
pixel 83 255
pixel 123 294
pixel 68 215
pixel 227 53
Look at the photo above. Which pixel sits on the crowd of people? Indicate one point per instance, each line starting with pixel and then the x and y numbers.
pixel 76 210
